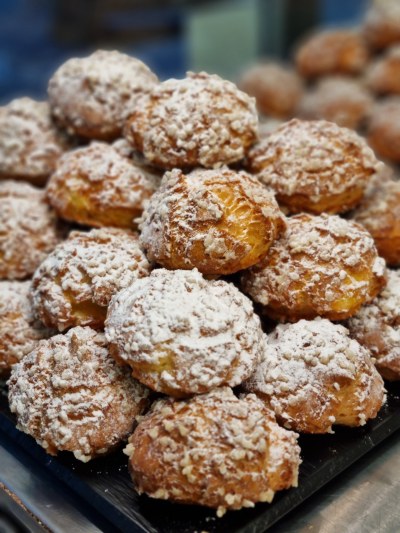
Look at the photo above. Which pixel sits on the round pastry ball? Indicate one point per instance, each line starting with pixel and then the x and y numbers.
pixel 219 221
pixel 382 23
pixel 215 450
pixel 337 99
pixel 323 266
pixel 276 88
pixel 98 187
pixel 338 51
pixel 74 284
pixel 377 327
pixel 314 166
pixel 30 145
pixel 201 120
pixel 313 376
pixel 182 334
pixel 19 330
pixel 70 395
pixel 92 96
pixel 383 76
pixel 384 129
pixel 379 213
pixel 28 229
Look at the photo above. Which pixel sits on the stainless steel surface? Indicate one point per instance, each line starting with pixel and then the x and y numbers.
pixel 364 499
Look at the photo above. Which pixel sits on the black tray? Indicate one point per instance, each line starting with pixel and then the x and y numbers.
pixel 105 484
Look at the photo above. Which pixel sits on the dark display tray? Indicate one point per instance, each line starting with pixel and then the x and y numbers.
pixel 105 484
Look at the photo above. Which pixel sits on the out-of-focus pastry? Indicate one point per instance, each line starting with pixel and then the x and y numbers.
pixel 313 375
pixel 30 145
pixel 314 166
pixel 201 120
pixel 70 395
pixel 276 88
pixel 98 187
pixel 182 334
pixel 28 229
pixel 322 266
pixel 219 221
pixel 381 27
pixel 215 450
pixel 384 129
pixel 75 283
pixel 377 326
pixel 93 96
pixel 383 76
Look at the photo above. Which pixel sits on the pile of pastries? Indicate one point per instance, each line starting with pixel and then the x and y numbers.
pixel 187 287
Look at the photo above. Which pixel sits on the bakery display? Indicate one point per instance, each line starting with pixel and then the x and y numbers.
pixel 201 120
pixel 219 221
pixel 97 186
pixel 29 230
pixel 314 166
pixel 182 334
pixel 381 26
pixel 322 266
pixel 75 283
pixel 314 376
pixel 215 449
pixel 382 76
pixel 384 130
pixel 92 96
pixel 70 395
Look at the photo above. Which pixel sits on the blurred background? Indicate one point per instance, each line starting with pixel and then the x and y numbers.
pixel 171 36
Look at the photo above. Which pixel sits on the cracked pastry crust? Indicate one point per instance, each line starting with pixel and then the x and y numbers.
pixel 219 221
pixel 182 334
pixel 201 120
pixel 315 166
pixel 74 284
pixel 313 375
pixel 70 395
pixel 323 266
pixel 215 450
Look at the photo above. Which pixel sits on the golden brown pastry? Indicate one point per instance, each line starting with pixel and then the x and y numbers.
pixel 92 96
pixel 382 23
pixel 201 120
pixel 384 129
pixel 19 330
pixel 215 450
pixel 30 145
pixel 276 88
pixel 219 221
pixel 323 266
pixel 98 187
pixel 75 283
pixel 338 51
pixel 70 395
pixel 314 166
pixel 383 76
pixel 182 334
pixel 314 376
pixel 28 229
pixel 377 327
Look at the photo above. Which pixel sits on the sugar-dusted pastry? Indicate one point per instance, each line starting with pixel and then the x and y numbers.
pixel 377 327
pixel 379 213
pixel 337 51
pixel 314 166
pixel 76 282
pixel 215 450
pixel 92 96
pixel 20 331
pixel 381 26
pixel 28 229
pixel 384 129
pixel 322 266
pixel 276 88
pixel 70 395
pixel 182 334
pixel 30 145
pixel 313 375
pixel 338 99
pixel 97 186
pixel 219 221
pixel 201 120
pixel 383 75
